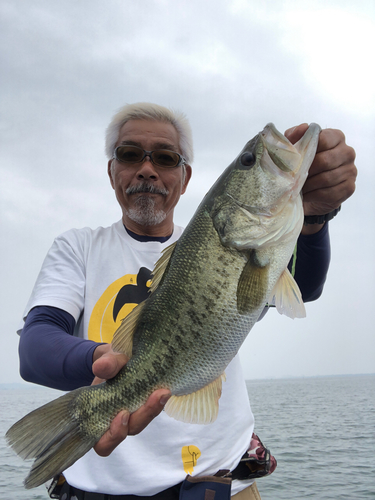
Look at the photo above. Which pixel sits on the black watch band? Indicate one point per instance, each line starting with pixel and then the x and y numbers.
pixel 321 219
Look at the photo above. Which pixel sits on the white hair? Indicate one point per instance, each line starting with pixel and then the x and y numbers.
pixel 149 111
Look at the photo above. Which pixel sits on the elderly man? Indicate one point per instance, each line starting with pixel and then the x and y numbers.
pixel 91 279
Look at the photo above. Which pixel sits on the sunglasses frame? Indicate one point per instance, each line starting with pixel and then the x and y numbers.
pixel 181 161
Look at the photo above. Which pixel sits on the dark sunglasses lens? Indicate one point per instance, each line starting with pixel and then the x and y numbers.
pixel 165 158
pixel 129 154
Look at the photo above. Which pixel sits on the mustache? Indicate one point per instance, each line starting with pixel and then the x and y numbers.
pixel 146 187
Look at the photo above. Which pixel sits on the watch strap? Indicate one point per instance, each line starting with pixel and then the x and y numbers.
pixel 321 219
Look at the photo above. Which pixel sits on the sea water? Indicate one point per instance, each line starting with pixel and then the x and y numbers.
pixel 321 431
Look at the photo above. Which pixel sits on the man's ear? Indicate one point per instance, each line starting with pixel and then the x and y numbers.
pixel 109 170
pixel 188 173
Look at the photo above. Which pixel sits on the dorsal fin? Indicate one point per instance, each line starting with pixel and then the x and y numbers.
pixel 200 407
pixel 161 266
pixel 123 336
pixel 287 298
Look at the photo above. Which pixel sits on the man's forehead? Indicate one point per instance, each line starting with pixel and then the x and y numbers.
pixel 158 133
pixel 156 145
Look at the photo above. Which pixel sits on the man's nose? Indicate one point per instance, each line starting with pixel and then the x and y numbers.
pixel 147 170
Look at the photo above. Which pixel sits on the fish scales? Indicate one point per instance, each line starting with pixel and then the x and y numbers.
pixel 207 292
pixel 204 296
pixel 168 356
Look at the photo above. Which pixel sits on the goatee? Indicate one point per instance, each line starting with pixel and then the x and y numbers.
pixel 145 212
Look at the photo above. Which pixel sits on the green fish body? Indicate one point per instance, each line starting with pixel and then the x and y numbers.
pixel 208 290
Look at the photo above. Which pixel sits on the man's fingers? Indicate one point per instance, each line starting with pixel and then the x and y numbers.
pixel 108 365
pixel 294 134
pixel 332 175
pixel 124 424
pixel 146 413
pixel 331 159
pixel 329 179
pixel 114 436
pixel 330 138
pixel 325 200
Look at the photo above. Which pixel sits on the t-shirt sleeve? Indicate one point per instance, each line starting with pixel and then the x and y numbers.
pixel 49 353
pixel 61 281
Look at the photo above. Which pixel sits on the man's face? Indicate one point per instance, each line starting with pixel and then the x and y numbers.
pixel 144 212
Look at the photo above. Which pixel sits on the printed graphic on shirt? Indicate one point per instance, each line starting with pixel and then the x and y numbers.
pixel 190 455
pixel 116 303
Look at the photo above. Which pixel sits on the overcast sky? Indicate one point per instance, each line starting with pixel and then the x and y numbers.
pixel 232 67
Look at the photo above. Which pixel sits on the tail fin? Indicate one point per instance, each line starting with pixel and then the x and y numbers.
pixel 51 434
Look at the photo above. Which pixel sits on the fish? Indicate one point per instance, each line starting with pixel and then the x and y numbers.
pixel 208 290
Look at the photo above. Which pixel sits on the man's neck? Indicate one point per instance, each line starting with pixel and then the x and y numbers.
pixel 144 238
pixel 165 229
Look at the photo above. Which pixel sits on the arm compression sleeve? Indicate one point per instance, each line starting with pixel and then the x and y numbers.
pixel 50 355
pixel 313 258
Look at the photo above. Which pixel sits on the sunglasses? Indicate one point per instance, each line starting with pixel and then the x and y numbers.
pixel 159 157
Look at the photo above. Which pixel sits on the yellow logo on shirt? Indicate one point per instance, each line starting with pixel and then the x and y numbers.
pixel 117 301
pixel 190 455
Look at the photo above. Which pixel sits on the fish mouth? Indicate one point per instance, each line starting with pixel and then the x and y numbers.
pixel 281 151
pixel 284 164
pixel 291 159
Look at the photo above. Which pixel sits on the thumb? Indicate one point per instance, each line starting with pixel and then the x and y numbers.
pixel 294 134
pixel 108 365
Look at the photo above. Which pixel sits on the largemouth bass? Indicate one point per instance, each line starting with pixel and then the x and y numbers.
pixel 208 290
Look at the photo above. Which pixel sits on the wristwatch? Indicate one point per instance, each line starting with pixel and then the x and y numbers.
pixel 321 219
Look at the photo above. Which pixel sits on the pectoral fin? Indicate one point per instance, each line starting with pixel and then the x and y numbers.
pixel 252 285
pixel 123 336
pixel 200 407
pixel 287 298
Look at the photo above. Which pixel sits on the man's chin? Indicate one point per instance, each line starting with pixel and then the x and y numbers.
pixel 146 217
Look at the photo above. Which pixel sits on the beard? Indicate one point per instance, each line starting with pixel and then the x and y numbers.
pixel 145 212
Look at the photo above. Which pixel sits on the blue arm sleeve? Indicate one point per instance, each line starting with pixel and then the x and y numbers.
pixel 50 355
pixel 313 258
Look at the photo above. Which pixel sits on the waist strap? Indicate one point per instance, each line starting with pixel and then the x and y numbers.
pixel 75 493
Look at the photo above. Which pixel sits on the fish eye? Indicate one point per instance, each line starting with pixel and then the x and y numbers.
pixel 248 159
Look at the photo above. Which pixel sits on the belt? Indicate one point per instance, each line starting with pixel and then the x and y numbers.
pixel 69 492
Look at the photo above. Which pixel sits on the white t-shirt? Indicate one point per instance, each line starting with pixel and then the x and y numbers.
pixel 98 276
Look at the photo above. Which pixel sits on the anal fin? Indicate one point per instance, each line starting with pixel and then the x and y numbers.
pixel 200 407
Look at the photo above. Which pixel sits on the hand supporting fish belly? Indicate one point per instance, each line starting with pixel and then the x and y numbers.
pixel 207 292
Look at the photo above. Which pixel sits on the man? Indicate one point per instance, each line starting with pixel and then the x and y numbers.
pixel 92 278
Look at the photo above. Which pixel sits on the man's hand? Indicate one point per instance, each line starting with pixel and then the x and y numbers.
pixel 332 175
pixel 107 364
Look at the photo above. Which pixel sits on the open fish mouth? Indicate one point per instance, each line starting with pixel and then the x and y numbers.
pixel 288 157
pixel 281 151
